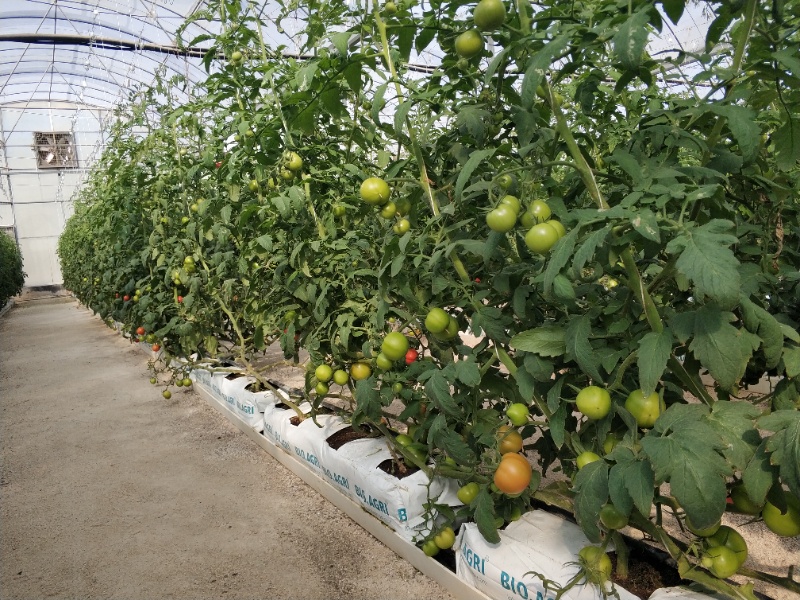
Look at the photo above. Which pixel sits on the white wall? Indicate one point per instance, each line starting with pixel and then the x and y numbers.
pixel 37 202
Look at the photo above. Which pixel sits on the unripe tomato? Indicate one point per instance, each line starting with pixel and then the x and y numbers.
pixel 584 458
pixel 703 531
pixel 403 206
pixel 323 373
pixel 389 210
pixel 383 362
pixel 511 201
pixel 339 210
pixel 541 237
pixel 187 382
pixel 179 382
pixel 359 371
pixel 501 219
pixel 594 402
pixel 401 226
pixel 394 345
pixel 721 561
pixel 469 44
pixel 450 332
pixel 612 518
pixel 166 394
pixel 509 440
pixel 596 564
pixel 732 539
pixel 236 57
pixel 518 414
pixel 411 356
pixel 558 226
pixel 397 387
pixel 293 161
pixel 539 210
pixel 437 320
pixel 287 175
pixel 611 441
pixel 430 548
pixel 375 191
pixel 340 377
pixel 645 410
pixel 742 502
pixel 153 380
pixel 784 524
pixel 445 538
pixel 390 8
pixel 467 493
pixel 321 388
pixel 253 185
pixel 513 474
pixel 505 181
pixel 489 14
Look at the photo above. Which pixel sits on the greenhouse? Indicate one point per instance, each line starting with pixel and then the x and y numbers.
pixel 503 295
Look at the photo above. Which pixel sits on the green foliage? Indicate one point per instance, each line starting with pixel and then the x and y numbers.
pixel 678 272
pixel 12 278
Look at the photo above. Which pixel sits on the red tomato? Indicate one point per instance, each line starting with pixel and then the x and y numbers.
pixel 411 356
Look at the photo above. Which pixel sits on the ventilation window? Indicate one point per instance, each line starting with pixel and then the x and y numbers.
pixel 55 150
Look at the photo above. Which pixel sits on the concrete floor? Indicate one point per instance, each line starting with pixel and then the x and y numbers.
pixel 109 491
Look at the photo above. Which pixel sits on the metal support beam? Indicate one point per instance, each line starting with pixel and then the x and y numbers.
pixel 98 42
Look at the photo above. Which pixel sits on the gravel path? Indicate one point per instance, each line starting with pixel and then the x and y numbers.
pixel 109 491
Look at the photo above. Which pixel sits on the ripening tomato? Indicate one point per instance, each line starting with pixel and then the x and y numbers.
pixel 375 190
pixel 411 356
pixel 513 474
pixel 509 440
pixel 140 331
pixel 359 371
pixel 155 347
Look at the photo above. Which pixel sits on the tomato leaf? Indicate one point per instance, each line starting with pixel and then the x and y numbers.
pixel 630 40
pixel 706 259
pixel 760 474
pixel 468 372
pixel 578 347
pixel 791 361
pixel 630 482
pixel 451 442
pixel 735 423
pixel 368 398
pixel 787 145
pixel 759 321
pixel 684 450
pixel 654 352
pixel 537 65
pixel 475 159
pixel 586 250
pixel 743 126
pixel 591 485
pixel 720 347
pixel 559 257
pixel 485 515
pixel 437 388
pixel 784 445
pixel 673 9
pixel 547 341
pixel 646 224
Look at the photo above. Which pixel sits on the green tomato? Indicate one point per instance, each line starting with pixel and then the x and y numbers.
pixel 612 439
pixel 383 362
pixel 742 502
pixel 594 402
pixel 467 493
pixel 437 320
pixel 397 387
pixel 339 210
pixel 469 44
pixel 323 373
pixel 518 414
pixel 403 440
pixel 730 538
pixel 596 564
pixel 394 345
pixel 389 210
pixel 340 377
pixel 584 458
pixel 401 226
pixel 166 394
pixel 430 548
pixel 450 332
pixel 505 181
pixel 375 191
pixel 253 185
pixel 512 201
pixel 321 388
pixel 539 210
pixel 403 206
pixel 612 517
pixel 502 219
pixel 645 410
pixel 784 524
pixel 293 161
pixel 445 538
pixel 489 14
pixel 721 561
pixel 187 382
pixel 541 237
pixel 558 226
pixel 703 531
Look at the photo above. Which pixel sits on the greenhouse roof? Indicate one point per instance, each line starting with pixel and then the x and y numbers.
pixel 92 52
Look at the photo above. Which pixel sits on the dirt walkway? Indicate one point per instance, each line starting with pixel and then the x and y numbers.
pixel 109 491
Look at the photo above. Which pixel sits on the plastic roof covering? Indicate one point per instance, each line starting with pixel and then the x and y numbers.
pixel 98 72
